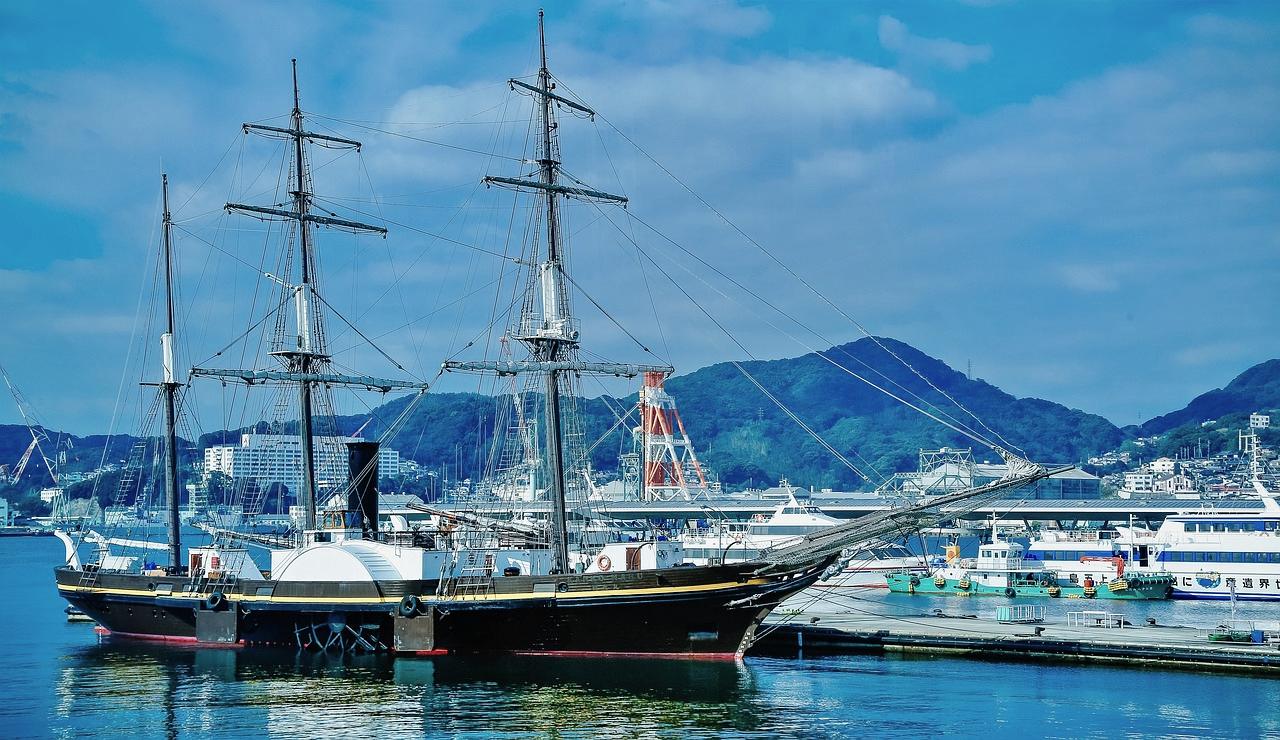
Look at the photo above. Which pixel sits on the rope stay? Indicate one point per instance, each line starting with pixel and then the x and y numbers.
pixel 999 448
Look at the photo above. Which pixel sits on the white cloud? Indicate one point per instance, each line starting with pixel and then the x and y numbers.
pixel 896 37
pixel 974 239
pixel 715 16
pixel 1089 278
pixel 1210 353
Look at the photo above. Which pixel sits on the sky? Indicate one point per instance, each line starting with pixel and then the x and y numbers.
pixel 1080 201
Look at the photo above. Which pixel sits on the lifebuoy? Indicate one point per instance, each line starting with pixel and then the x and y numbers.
pixel 604 563
pixel 409 606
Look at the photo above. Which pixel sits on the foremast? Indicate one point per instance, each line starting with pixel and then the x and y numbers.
pixel 169 386
pixel 552 336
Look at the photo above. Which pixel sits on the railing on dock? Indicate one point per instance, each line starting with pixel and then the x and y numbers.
pixel 1089 618
pixel 1020 614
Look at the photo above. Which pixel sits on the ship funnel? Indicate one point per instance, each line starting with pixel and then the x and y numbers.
pixel 362 493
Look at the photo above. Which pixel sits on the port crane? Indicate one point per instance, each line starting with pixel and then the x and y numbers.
pixel 39 438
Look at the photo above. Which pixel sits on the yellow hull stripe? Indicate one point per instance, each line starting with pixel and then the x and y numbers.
pixel 568 595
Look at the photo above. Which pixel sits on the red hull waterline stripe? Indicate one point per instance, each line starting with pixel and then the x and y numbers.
pixel 624 654
pixel 171 639
pixel 429 653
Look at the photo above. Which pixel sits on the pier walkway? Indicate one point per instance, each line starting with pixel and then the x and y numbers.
pixel 827 628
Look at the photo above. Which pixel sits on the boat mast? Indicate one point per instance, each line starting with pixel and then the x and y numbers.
pixel 169 390
pixel 553 343
pixel 304 361
pixel 303 356
pixel 552 339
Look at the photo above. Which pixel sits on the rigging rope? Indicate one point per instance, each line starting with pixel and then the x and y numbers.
pixel 809 286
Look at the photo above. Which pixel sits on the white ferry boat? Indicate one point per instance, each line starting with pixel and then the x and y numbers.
pixel 1210 554
pixel 735 542
pixel 1214 554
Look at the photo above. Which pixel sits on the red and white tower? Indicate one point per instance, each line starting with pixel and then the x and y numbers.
pixel 670 466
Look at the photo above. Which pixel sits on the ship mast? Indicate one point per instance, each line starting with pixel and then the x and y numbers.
pixel 552 338
pixel 556 339
pixel 303 356
pixel 306 362
pixel 169 390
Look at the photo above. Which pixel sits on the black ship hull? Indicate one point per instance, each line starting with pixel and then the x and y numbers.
pixel 708 612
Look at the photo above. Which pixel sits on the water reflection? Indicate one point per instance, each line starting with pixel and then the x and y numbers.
pixel 290 693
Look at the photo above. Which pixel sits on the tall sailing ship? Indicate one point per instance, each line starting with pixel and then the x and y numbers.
pixel 477 583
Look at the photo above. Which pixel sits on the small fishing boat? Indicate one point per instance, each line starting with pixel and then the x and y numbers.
pixel 1001 570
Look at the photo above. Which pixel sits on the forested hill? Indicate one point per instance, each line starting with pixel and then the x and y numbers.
pixel 1255 389
pixel 745 437
pixel 748 436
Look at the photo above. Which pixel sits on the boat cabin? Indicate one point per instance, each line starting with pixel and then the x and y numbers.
pixel 1000 556
pixel 215 562
pixel 631 556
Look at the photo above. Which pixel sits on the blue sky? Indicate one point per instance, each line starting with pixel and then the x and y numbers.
pixel 1080 198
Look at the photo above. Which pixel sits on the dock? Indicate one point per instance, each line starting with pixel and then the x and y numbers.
pixel 1085 637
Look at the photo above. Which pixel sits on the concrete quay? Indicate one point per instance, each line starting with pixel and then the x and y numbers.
pixel 826 629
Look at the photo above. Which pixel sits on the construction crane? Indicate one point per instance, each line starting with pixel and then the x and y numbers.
pixel 38 435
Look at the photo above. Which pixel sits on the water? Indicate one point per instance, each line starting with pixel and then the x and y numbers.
pixel 60 680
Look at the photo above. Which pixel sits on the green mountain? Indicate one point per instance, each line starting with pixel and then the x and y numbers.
pixel 746 438
pixel 1255 389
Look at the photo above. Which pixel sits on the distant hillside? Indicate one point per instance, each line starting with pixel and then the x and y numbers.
pixel 81 453
pixel 1255 389
pixel 746 438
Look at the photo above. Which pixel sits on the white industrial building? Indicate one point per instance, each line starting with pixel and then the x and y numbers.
pixel 1259 421
pixel 277 458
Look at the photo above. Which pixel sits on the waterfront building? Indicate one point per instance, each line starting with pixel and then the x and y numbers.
pixel 1139 481
pixel 6 514
pixel 277 458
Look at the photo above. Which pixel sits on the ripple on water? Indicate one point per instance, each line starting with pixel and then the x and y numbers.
pixel 60 681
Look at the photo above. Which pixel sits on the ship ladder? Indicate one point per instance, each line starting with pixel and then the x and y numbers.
pixel 127 484
pixel 476 578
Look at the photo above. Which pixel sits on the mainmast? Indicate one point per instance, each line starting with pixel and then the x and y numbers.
pixel 305 361
pixel 169 390
pixel 303 356
pixel 552 337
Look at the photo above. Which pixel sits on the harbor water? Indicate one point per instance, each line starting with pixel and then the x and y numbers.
pixel 62 680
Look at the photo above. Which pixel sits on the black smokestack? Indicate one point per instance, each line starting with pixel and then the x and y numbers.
pixel 362 495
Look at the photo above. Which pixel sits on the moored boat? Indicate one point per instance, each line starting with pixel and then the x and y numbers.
pixel 470 582
pixel 1001 570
